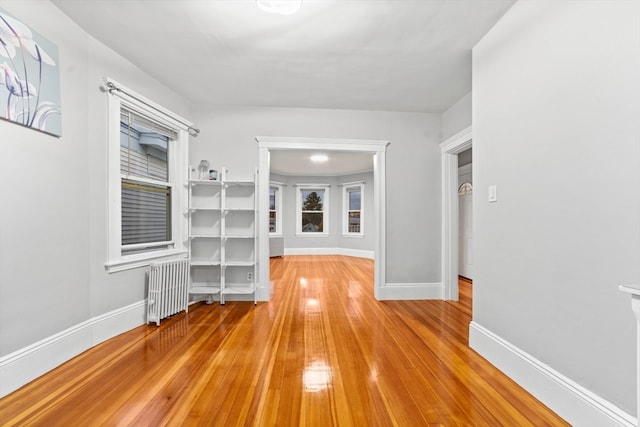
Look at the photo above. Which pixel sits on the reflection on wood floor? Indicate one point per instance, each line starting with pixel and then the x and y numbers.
pixel 465 292
pixel 322 352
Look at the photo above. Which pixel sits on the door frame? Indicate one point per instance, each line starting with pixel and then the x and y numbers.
pixel 450 149
pixel 376 147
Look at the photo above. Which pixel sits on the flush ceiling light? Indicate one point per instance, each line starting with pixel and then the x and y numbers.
pixel 319 158
pixel 280 7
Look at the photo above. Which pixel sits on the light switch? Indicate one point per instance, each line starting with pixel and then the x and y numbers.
pixel 493 193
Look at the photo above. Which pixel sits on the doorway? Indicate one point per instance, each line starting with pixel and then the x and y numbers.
pixel 465 214
pixel 375 147
pixel 450 150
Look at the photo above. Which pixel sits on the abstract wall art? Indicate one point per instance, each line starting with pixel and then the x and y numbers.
pixel 29 77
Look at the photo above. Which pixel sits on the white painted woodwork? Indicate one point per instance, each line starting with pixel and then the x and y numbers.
pixel 178 174
pixel 569 399
pixel 222 237
pixel 450 149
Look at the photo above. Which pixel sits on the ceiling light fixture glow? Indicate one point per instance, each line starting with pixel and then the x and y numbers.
pixel 319 158
pixel 280 7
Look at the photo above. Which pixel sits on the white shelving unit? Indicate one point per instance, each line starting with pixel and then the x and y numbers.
pixel 222 237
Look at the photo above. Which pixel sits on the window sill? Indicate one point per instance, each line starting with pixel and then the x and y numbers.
pixel 275 234
pixel 353 235
pixel 312 234
pixel 141 260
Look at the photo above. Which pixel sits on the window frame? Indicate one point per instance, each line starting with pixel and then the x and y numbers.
pixel 178 173
pixel 346 187
pixel 278 207
pixel 325 209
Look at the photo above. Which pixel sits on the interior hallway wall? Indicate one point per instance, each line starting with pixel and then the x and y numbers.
pixel 457 117
pixel 413 167
pixel 556 104
pixel 53 225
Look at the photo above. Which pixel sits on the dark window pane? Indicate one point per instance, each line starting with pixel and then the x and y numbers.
pixel 272 198
pixel 354 222
pixel 312 200
pixel 312 222
pixel 146 213
pixel 272 222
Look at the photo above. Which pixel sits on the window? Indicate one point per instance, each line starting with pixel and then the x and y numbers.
pixel 145 186
pixel 352 204
pixel 146 175
pixel 312 217
pixel 275 208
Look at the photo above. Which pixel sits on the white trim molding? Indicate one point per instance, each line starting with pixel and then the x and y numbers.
pixel 570 400
pixel 411 291
pixel 120 96
pixel 450 150
pixel 25 365
pixel 358 253
pixel 376 147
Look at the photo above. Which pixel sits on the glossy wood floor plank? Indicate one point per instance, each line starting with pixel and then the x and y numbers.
pixel 322 352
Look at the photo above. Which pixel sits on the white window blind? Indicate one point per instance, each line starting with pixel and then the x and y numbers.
pixel 135 119
pixel 146 192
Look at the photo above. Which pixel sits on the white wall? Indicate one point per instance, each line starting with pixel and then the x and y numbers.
pixel 556 108
pixel 44 217
pixel 53 225
pixel 457 117
pixel 413 167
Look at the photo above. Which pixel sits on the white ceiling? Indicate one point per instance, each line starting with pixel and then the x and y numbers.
pixel 387 55
pixel 299 163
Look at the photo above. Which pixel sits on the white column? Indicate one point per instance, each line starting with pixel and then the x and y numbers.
pixel 634 290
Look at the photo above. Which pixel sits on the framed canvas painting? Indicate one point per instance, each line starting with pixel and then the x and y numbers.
pixel 29 77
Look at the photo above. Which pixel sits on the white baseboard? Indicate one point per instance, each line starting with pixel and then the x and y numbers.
pixel 25 365
pixel 330 251
pixel 574 403
pixel 411 291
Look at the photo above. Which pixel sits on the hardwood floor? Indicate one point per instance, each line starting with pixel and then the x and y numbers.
pixel 322 352
pixel 465 299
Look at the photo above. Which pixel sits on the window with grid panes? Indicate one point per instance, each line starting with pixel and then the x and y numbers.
pixel 352 210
